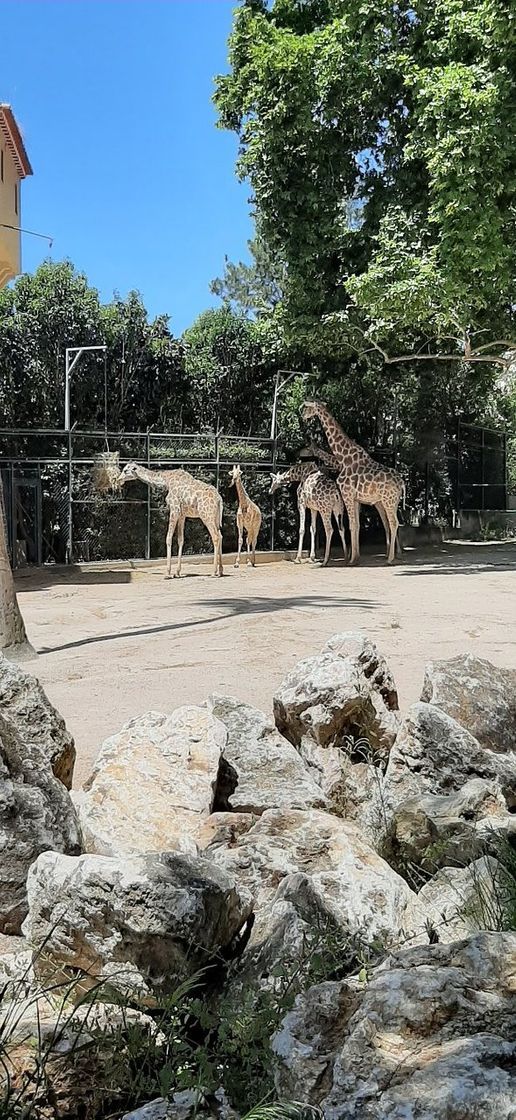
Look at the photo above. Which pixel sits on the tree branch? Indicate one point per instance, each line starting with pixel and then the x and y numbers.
pixel 469 354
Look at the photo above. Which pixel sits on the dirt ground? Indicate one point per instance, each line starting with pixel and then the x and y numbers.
pixel 112 644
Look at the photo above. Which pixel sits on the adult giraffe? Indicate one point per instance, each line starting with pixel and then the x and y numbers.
pixel 320 495
pixel 186 497
pixel 361 479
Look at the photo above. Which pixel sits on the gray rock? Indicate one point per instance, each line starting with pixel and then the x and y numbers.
pixel 434 830
pixel 460 901
pixel 140 922
pixel 24 702
pixel 430 1036
pixel 435 754
pixel 479 696
pixel 263 770
pixel 351 882
pixel 186 1105
pixel 36 814
pixel 152 783
pixel 344 694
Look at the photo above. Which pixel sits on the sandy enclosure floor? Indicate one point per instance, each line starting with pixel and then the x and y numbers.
pixel 113 644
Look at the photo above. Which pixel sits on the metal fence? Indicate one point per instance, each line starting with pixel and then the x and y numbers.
pixel 55 515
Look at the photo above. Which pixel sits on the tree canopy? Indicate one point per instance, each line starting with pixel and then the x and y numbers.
pixel 378 142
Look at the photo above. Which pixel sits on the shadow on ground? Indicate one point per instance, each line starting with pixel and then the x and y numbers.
pixel 228 608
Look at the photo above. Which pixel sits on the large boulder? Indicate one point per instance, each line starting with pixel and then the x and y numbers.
pixel 435 754
pixel 262 770
pixel 36 814
pixel 151 784
pixel 429 1036
pixel 141 922
pixel 186 1105
pixel 352 884
pixel 478 695
pixel 432 830
pixel 460 901
pixel 343 697
pixel 23 701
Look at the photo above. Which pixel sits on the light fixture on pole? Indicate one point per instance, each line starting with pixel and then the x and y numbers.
pixel 69 366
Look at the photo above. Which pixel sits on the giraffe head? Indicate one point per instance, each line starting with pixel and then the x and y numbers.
pixel 310 409
pixel 235 473
pixel 129 473
pixel 276 480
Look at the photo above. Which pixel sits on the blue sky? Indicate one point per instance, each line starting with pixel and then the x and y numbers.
pixel 131 177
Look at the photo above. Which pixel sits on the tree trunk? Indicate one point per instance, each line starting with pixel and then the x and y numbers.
pixel 13 639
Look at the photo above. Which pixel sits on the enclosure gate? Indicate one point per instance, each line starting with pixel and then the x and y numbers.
pixel 481 468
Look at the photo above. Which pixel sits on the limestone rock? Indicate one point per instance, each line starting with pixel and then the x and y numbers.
pixel 263 770
pixel 36 814
pixel 434 830
pixel 353 884
pixel 139 921
pixel 478 695
pixel 151 784
pixel 435 754
pixel 460 901
pixel 344 694
pixel 430 1036
pixel 186 1105
pixel 24 702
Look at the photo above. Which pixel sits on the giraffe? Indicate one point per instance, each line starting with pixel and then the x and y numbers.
pixel 361 479
pixel 186 497
pixel 319 494
pixel 314 451
pixel 248 517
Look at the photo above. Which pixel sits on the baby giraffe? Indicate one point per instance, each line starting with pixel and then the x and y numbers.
pixel 248 517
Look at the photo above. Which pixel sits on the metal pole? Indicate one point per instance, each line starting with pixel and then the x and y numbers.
pixel 275 406
pixel 69 546
pixel 148 532
pixel 67 391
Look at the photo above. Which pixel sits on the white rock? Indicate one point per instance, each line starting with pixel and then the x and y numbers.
pixel 186 1105
pixel 343 694
pixel 39 725
pixel 355 886
pixel 430 1036
pixel 36 814
pixel 478 695
pixel 263 770
pixel 460 901
pixel 152 783
pixel 139 921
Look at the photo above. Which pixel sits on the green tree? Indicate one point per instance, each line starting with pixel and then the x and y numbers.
pixel 253 288
pixel 379 146
pixel 229 376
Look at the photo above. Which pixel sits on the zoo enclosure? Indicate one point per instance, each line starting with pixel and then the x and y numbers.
pixel 55 515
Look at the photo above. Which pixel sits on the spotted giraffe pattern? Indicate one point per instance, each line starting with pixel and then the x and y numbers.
pixel 248 518
pixel 186 497
pixel 320 495
pixel 360 479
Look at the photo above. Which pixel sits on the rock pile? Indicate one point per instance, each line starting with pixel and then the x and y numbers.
pixel 216 833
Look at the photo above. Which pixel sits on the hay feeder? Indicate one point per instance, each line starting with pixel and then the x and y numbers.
pixel 106 473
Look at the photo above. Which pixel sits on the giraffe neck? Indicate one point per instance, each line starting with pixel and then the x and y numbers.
pixel 339 442
pixel 154 478
pixel 243 496
pixel 298 472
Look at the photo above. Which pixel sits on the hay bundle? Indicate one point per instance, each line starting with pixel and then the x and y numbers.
pixel 106 472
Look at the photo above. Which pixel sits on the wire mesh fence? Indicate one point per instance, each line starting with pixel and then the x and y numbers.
pixel 55 514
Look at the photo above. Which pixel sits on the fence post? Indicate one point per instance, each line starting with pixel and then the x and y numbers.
pixel 13 519
pixel 427 487
pixel 217 459
pixel 273 498
pixel 69 544
pixel 457 481
pixel 482 468
pixel 148 529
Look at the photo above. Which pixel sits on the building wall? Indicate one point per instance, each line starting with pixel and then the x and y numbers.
pixel 10 256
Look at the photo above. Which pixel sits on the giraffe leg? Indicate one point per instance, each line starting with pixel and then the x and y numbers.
pixel 216 536
pixel 385 523
pixel 392 517
pixel 353 508
pixel 302 519
pixel 240 540
pixel 339 515
pixel 180 542
pixel 313 527
pixel 253 558
pixel 328 529
pixel 172 522
pixel 248 548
